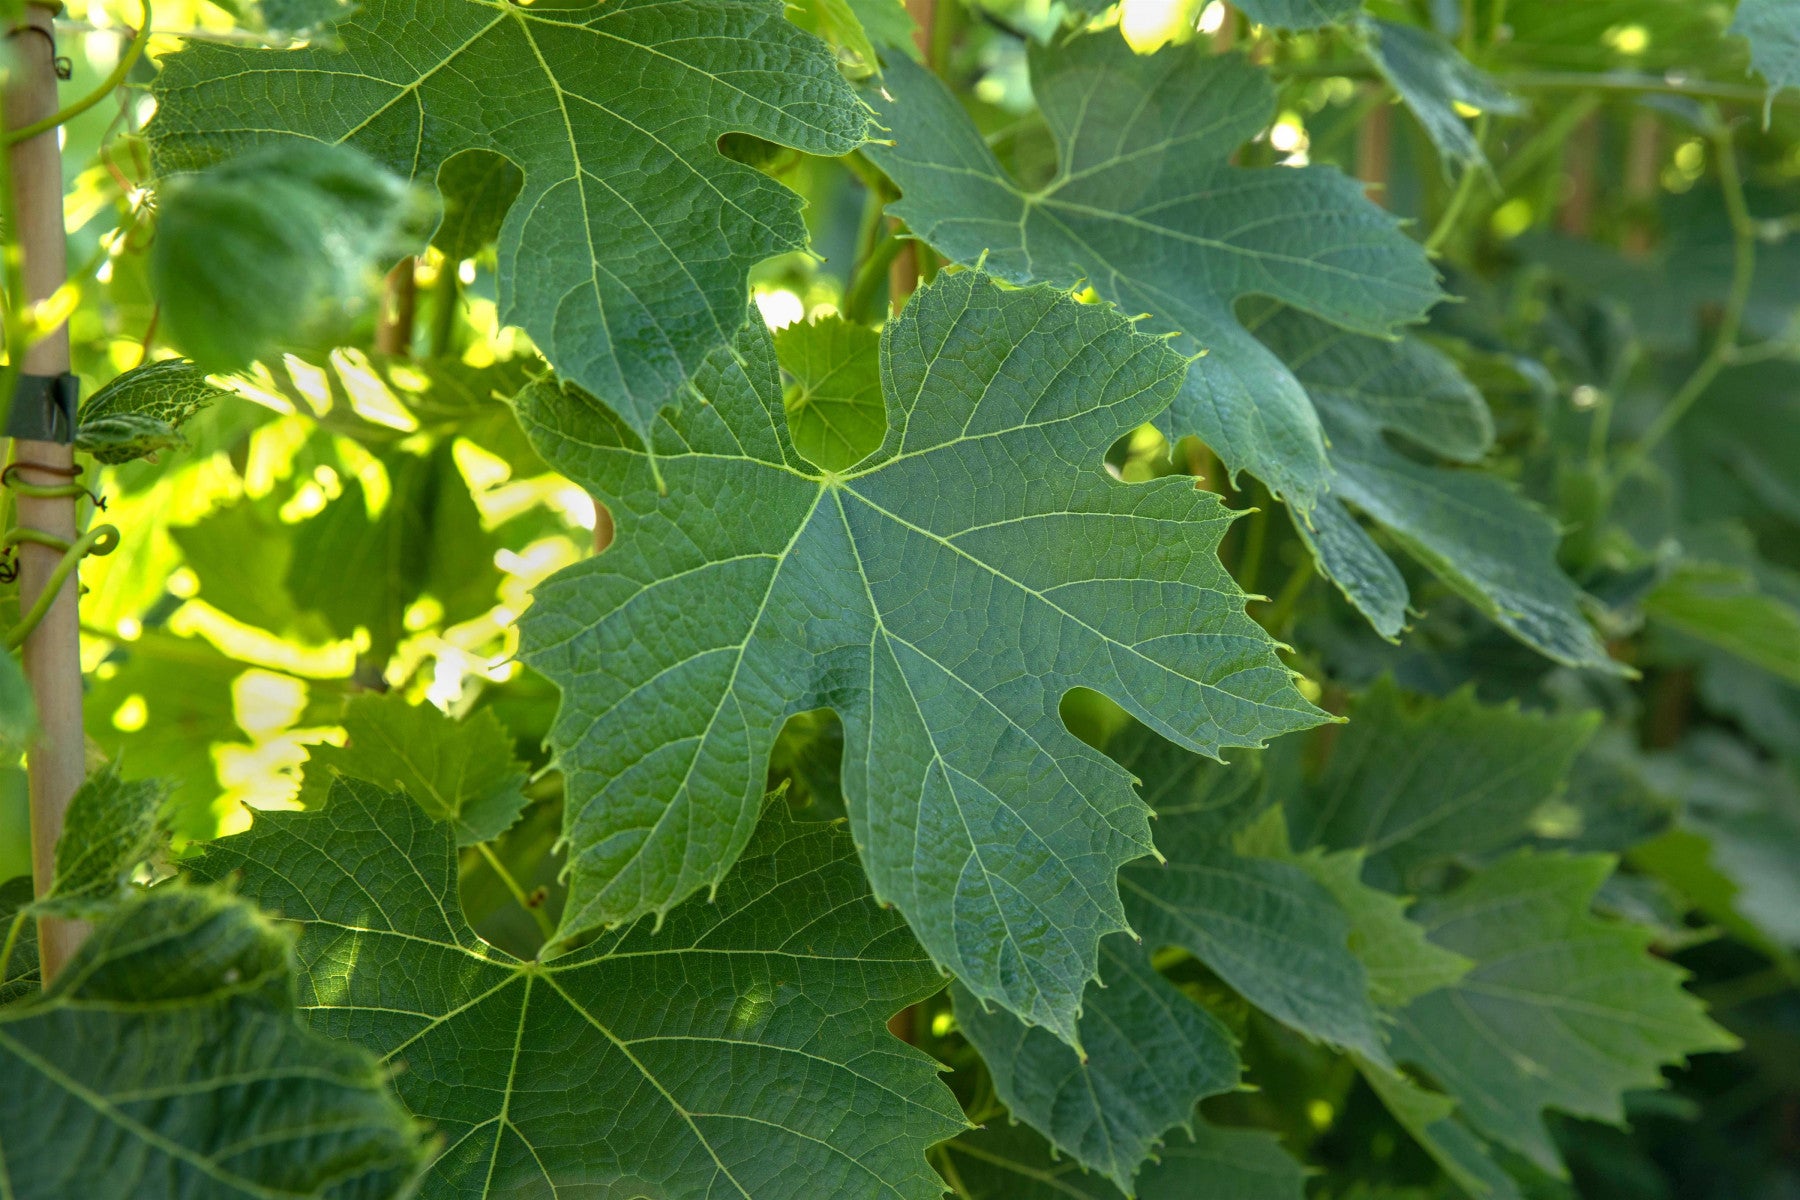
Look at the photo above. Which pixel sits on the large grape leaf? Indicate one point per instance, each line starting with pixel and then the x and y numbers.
pixel 462 772
pixel 1561 1010
pixel 1472 530
pixel 1147 209
pixel 1001 1163
pixel 1152 1054
pixel 165 1061
pixel 626 255
pixel 740 1050
pixel 1413 784
pixel 1772 28
pixel 942 597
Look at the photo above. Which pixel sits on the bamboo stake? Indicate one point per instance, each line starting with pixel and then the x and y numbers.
pixel 52 652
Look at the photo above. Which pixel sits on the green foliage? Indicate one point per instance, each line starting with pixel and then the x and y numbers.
pixel 1069 567
pixel 835 414
pixel 1773 31
pixel 251 250
pixel 773 1076
pixel 612 117
pixel 141 412
pixel 171 1041
pixel 112 828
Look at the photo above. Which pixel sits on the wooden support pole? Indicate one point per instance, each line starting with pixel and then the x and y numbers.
pixel 57 760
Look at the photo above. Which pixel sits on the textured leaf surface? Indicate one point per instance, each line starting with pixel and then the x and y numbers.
pixel 19 975
pixel 1562 1009
pixel 1412 785
pixel 740 1050
pixel 835 413
pixel 626 255
pixel 1432 77
pixel 1002 1163
pixel 166 1062
pixel 479 187
pixel 462 772
pixel 1772 28
pixel 1146 209
pixel 942 599
pixel 1430 1118
pixel 142 411
pixel 1152 1054
pixel 112 826
pixel 1402 964
pixel 1471 530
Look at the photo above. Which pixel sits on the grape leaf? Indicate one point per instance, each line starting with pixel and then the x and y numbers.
pixel 462 772
pixel 112 826
pixel 19 976
pixel 257 253
pixel 1412 785
pixel 1152 1054
pixel 942 599
pixel 479 188
pixel 1401 963
pixel 1772 27
pixel 1284 14
pixel 1148 211
pixel 1726 606
pixel 1473 531
pixel 1562 1010
pixel 858 26
pixel 1433 77
pixel 1002 1163
pixel 739 1050
pixel 165 1061
pixel 141 412
pixel 627 254
pixel 835 413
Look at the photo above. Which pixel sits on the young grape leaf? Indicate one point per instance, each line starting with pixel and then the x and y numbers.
pixel 258 253
pixel 1472 530
pixel 1014 1163
pixel 462 772
pixel 112 827
pixel 740 1049
pixel 1414 784
pixel 627 253
pixel 1430 1118
pixel 1152 1054
pixel 835 414
pixel 141 412
pixel 1433 77
pixel 165 1061
pixel 1401 962
pixel 1149 212
pixel 1727 606
pixel 942 598
pixel 1562 1009
pixel 1772 27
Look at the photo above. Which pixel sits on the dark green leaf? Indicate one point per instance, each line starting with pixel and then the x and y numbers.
pixel 941 599
pixel 739 1049
pixel 1152 1054
pixel 1433 78
pixel 1147 209
pixel 165 1062
pixel 142 411
pixel 627 253
pixel 479 188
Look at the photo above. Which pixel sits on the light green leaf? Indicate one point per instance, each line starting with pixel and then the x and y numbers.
pixel 740 1049
pixel 942 599
pixel 1152 1054
pixel 479 188
pixel 626 255
pixel 1147 209
pixel 462 772
pixel 1402 964
pixel 142 411
pixel 112 827
pixel 263 252
pixel 1002 1163
pixel 835 413
pixel 1432 77
pixel 1429 1118
pixel 1725 606
pixel 1471 530
pixel 1562 1010
pixel 1772 27
pixel 165 1062
pixel 1414 784
pixel 858 26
